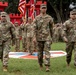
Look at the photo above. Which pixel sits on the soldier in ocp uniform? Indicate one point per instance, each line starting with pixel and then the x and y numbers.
pixel 29 35
pixel 17 37
pixel 23 34
pixel 43 35
pixel 6 34
pixel 69 36
pixel 55 35
pixel 57 32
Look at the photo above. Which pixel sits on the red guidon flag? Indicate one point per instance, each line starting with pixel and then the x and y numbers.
pixel 22 7
pixel 32 9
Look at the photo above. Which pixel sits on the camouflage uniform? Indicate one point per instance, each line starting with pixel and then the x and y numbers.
pixel 70 33
pixel 57 32
pixel 17 37
pixel 6 33
pixel 23 34
pixel 43 31
pixel 29 34
pixel 55 35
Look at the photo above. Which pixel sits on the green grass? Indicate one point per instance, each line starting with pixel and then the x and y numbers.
pixel 31 67
pixel 58 46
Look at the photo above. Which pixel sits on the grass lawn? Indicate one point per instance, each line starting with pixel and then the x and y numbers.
pixel 31 67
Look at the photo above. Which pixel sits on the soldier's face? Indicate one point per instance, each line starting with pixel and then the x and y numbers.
pixel 30 20
pixel 16 24
pixel 3 18
pixel 73 16
pixel 43 10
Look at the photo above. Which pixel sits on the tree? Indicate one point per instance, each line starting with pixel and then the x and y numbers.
pixel 61 8
pixel 12 6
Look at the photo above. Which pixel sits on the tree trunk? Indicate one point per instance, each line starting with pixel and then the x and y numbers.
pixel 61 11
pixel 57 13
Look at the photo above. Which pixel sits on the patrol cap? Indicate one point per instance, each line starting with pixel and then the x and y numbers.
pixel 3 14
pixel 73 12
pixel 43 6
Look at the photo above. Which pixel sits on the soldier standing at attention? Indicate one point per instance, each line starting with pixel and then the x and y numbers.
pixel 69 36
pixel 22 26
pixel 29 35
pixel 6 33
pixel 43 36
pixel 17 37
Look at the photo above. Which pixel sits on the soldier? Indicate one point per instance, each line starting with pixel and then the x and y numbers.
pixel 6 33
pixel 57 32
pixel 69 36
pixel 17 37
pixel 55 35
pixel 24 47
pixel 43 35
pixel 29 35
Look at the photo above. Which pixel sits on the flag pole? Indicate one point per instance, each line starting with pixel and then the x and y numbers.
pixel 25 19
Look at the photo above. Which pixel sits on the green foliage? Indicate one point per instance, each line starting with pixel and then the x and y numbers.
pixel 58 46
pixel 60 9
pixel 12 6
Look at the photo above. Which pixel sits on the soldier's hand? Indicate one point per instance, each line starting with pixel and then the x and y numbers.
pixel 65 39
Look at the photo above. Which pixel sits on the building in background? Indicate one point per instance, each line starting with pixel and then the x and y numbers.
pixel 32 9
